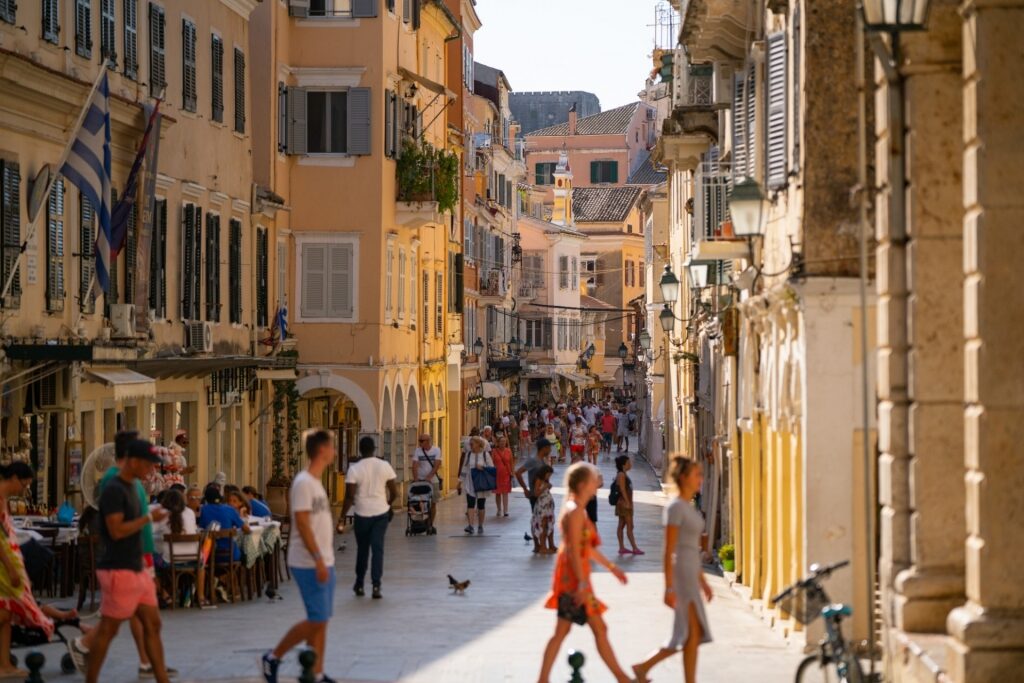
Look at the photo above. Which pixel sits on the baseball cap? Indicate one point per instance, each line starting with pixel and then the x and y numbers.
pixel 140 448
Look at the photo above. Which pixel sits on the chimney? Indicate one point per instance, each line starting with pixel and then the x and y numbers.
pixel 572 119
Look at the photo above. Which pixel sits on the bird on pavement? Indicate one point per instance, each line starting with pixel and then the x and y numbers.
pixel 527 537
pixel 458 586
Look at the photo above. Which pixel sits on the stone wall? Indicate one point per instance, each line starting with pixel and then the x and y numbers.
pixel 536 110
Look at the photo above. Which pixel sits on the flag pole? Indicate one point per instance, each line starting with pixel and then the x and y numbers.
pixel 51 180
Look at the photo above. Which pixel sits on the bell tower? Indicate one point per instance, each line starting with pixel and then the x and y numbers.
pixel 561 208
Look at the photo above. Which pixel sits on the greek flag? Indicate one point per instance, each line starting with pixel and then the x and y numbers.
pixel 282 321
pixel 88 168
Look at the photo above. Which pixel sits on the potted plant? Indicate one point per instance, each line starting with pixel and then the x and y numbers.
pixel 284 462
pixel 727 554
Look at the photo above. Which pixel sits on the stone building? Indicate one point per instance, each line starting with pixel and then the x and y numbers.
pixel 536 110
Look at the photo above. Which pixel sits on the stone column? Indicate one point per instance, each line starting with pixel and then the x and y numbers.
pixel 989 628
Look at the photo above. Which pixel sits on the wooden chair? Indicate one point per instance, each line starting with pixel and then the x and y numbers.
pixel 88 550
pixel 51 584
pixel 282 555
pixel 183 564
pixel 223 563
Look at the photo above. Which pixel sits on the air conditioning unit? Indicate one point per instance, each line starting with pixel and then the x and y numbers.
pixel 122 321
pixel 199 337
pixel 53 392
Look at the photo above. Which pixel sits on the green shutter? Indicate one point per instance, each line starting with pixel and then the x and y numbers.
pixel 614 171
pixel 595 171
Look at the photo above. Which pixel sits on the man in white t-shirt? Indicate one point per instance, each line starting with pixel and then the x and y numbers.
pixel 310 557
pixel 426 461
pixel 370 487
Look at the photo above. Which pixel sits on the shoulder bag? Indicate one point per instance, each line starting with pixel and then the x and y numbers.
pixel 484 479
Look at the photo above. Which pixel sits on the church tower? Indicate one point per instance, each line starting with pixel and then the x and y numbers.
pixel 561 208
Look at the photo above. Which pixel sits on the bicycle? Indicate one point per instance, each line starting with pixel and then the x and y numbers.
pixel 806 600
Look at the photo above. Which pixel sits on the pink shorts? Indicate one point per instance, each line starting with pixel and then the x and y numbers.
pixel 123 590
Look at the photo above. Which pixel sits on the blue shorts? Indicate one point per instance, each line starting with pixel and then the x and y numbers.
pixel 607 438
pixel 317 597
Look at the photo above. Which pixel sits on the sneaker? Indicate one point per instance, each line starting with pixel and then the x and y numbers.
pixel 146 671
pixel 270 664
pixel 480 530
pixel 79 655
pixel 324 678
pixel 358 590
pixel 469 530
pixel 376 593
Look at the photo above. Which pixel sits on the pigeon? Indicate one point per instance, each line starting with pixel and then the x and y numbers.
pixel 458 586
pixel 528 538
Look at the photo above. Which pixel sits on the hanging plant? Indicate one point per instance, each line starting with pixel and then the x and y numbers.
pixel 426 174
pixel 278 473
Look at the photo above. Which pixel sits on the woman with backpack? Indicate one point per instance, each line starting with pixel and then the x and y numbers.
pixel 621 496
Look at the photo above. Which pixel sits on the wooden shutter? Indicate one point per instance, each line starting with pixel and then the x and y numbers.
pixel 55 247
pixel 239 91
pixel 130 256
pixel 358 122
pixel 157 53
pixel 8 8
pixel 508 193
pixel 613 169
pixel 297 133
pixel 595 171
pixel 212 269
pixel 739 126
pixel 314 281
pixel 364 8
pixel 188 65
pixel 389 120
pixel 416 11
pixel 750 92
pixel 188 265
pixel 460 293
pixel 599 266
pixel 775 102
pixel 158 261
pixel 108 33
pixel 796 87
pixel 10 227
pixel 538 174
pixel 112 296
pixel 501 189
pixel 83 28
pixel 51 21
pixel 131 39
pixel 563 272
pixel 217 77
pixel 298 8
pixel 235 271
pixel 262 272
pixel 340 281
pixel 86 254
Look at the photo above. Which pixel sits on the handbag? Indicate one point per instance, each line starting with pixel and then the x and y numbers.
pixel 485 479
pixel 570 611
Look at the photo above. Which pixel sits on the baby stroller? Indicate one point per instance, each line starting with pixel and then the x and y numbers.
pixel 33 637
pixel 417 513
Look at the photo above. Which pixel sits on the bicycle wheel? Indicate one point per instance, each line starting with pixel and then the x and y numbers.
pixel 815 670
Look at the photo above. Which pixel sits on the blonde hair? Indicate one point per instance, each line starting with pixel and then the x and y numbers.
pixel 577 474
pixel 479 441
pixel 679 467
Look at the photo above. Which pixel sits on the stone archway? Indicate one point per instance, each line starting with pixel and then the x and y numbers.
pixel 343 385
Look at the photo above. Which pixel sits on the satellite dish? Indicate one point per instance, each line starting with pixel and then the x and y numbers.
pixel 96 465
pixel 37 192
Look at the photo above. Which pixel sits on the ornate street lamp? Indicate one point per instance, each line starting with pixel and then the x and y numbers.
pixel 514 346
pixel 623 351
pixel 669 285
pixel 699 274
pixel 667 319
pixel 478 346
pixel 645 340
pixel 895 16
pixel 746 206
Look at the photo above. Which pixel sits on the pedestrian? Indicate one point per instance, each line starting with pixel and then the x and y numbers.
pixel 426 460
pixel 684 577
pixel 503 465
pixel 543 519
pixel 622 428
pixel 126 585
pixel 310 558
pixel 621 496
pixel 524 433
pixel 608 424
pixel 572 594
pixel 478 458
pixel 370 488
pixel 556 446
pixel 176 466
pixel 530 467
pixel 578 441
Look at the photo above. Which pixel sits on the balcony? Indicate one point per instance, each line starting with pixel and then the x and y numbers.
pixel 712 234
pixel 715 30
pixel 428 184
pixel 693 126
pixel 493 283
pixel 416 214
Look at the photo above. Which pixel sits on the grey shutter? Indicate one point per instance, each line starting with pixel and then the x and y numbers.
pixel 51 21
pixel 55 247
pixel 389 134
pixel 235 271
pixel 296 98
pixel 157 53
pixel 86 254
pixel 417 8
pixel 750 91
pixel 613 172
pixel 188 280
pixel 739 127
pixel 239 91
pixel 314 281
pixel 262 269
pixel 212 267
pixel 340 280
pixel 197 261
pixel 188 65
pixel 217 80
pixel 358 121
pixel 131 39
pixel 108 32
pixel 83 28
pixel 130 256
pixel 8 8
pixel 158 261
pixel 10 219
pixel 775 100
pixel 364 8
pixel 298 8
pixel 796 87
pixel 113 296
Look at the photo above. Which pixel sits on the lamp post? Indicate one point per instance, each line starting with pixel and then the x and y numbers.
pixel 895 16
pixel 514 346
pixel 669 284
pixel 746 206
pixel 478 346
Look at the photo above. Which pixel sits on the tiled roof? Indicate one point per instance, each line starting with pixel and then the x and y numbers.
pixel 592 303
pixel 603 204
pixel 611 122
pixel 647 174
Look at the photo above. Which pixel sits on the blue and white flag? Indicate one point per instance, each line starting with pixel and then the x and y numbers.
pixel 88 167
pixel 282 321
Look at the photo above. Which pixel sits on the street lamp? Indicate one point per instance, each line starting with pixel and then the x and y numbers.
pixel 746 206
pixel 645 340
pixel 699 274
pixel 514 346
pixel 669 285
pixel 623 351
pixel 478 346
pixel 895 16
pixel 667 319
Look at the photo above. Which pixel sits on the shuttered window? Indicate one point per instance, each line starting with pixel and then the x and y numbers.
pixel 131 39
pixel 112 296
pixel 460 283
pixel 10 228
pixel 411 12
pixel 362 8
pixel 217 77
pixel 426 302
pixel 282 272
pixel 108 33
pixel 83 28
pixel 86 254
pixel 8 11
pixel 739 126
pixel 157 51
pixel 604 171
pixel 501 189
pixel 389 279
pixel 262 274
pixel 239 91
pixel 392 125
pixel 775 102
pixel 212 267
pixel 796 88
pixel 158 261
pixel 235 272
pixel 328 121
pixel 401 283
pixel 51 21
pixel 188 65
pixel 328 283
pixel 191 261
pixel 55 247
pixel 563 272
pixel 130 256
pixel 413 295
pixel 544 173
pixel 438 304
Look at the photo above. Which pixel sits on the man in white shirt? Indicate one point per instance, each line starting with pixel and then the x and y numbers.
pixel 426 461
pixel 370 487
pixel 310 557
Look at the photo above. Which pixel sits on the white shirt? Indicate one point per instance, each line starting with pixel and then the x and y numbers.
pixel 163 528
pixel 372 476
pixel 544 415
pixel 425 460
pixel 308 495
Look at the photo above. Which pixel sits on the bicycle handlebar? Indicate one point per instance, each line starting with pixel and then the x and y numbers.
pixel 816 573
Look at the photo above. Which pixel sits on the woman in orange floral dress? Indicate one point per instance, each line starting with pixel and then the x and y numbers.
pixel 572 594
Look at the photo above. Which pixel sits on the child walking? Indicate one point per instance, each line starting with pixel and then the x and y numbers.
pixel 623 492
pixel 544 512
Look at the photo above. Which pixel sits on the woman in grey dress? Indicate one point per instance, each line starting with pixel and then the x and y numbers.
pixel 684 577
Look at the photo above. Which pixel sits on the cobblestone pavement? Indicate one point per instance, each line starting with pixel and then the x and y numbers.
pixel 422 633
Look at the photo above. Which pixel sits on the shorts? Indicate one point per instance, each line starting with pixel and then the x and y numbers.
pixel 607 436
pixel 317 597
pixel 123 591
pixel 473 501
pixel 623 512
pixel 576 448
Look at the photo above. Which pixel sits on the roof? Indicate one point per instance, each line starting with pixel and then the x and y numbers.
pixel 611 122
pixel 603 204
pixel 591 302
pixel 489 75
pixel 647 174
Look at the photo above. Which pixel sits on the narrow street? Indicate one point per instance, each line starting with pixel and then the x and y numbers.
pixel 421 633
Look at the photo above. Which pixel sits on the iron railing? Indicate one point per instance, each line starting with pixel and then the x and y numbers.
pixel 712 187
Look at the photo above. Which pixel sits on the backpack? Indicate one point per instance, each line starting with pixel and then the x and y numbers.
pixel 614 493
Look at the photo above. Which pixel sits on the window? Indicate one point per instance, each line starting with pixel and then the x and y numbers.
pixel 744 128
pixel 604 171
pixel 467 235
pixel 55 247
pixel 575 281
pixel 401 283
pixel 131 39
pixel 212 267
pixel 217 77
pixel 389 274
pixel 392 125
pixel 130 256
pixel 239 91
pixel 8 11
pixel 158 261
pixel 627 267
pixel 282 271
pixel 413 298
pixel 235 272
pixel 328 280
pixel 157 53
pixel 188 65
pixel 775 102
pixel 83 28
pixel 456 283
pixel 327 121
pixel 86 254
pixel 262 275
pixel 108 33
pixel 563 272
pixel 469 326
pixel 533 270
pixel 411 12
pixel 191 261
pixel 439 304
pixel 426 303
pixel 51 21
pixel 544 173
pixel 642 279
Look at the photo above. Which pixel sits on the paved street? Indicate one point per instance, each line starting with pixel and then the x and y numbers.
pixel 421 633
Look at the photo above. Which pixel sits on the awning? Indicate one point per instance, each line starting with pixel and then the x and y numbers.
pixel 579 380
pixel 127 383
pixel 494 389
pixel 276 374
